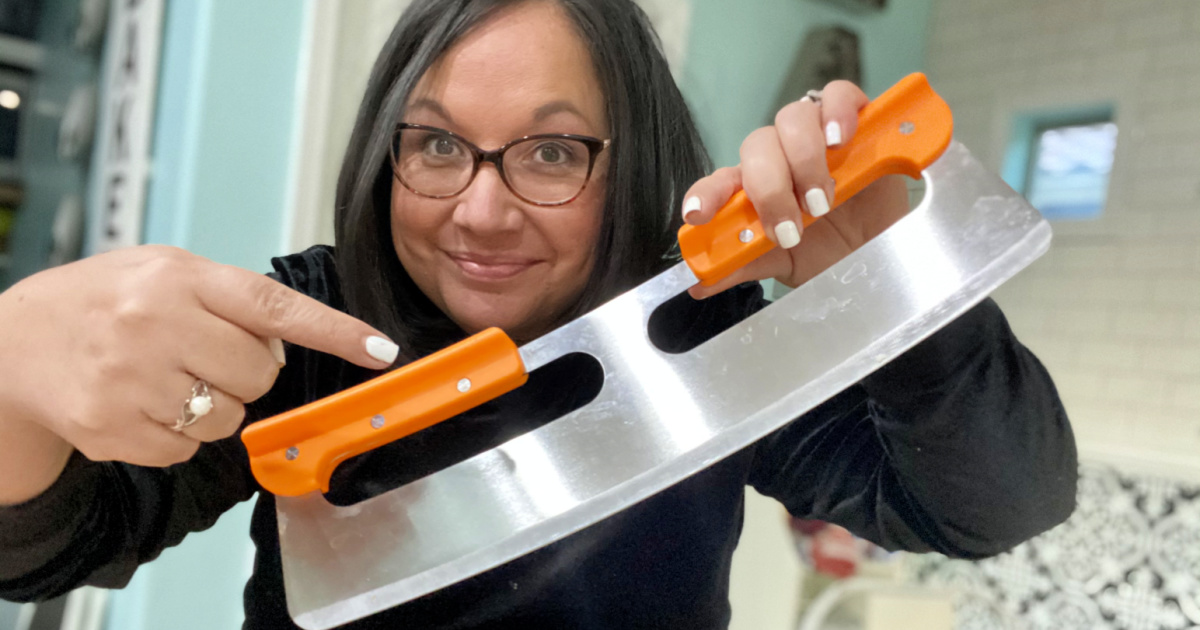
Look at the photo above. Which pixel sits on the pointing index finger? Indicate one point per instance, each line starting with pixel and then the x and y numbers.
pixel 268 309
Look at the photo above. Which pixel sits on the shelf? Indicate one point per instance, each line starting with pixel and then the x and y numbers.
pixel 21 53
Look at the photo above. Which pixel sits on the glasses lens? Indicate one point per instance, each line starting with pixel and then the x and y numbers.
pixel 432 163
pixel 547 170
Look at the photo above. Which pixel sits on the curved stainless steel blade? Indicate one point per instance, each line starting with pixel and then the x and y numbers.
pixel 660 418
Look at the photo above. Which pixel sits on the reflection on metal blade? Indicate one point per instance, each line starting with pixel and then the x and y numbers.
pixel 660 418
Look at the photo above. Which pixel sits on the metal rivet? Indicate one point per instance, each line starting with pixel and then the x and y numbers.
pixel 907 128
pixel 746 236
pixel 464 385
pixel 292 453
pixel 377 422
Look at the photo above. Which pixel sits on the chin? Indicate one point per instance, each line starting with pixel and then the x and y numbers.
pixel 521 315
pixel 476 320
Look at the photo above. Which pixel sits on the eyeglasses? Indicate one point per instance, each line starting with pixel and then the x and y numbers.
pixel 544 170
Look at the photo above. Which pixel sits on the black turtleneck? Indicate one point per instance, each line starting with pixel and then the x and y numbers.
pixel 959 446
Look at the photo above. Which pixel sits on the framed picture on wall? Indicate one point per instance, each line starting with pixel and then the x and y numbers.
pixel 826 54
pixel 860 5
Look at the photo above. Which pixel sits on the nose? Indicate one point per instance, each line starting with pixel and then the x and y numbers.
pixel 487 206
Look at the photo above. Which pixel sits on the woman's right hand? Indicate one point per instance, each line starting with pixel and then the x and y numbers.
pixel 103 353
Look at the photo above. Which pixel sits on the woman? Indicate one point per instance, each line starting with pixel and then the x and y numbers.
pixel 959 446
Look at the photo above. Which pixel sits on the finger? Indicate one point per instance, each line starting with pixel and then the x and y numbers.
pixel 840 104
pixel 709 194
pixel 268 309
pixel 228 357
pixel 767 180
pixel 773 264
pixel 798 126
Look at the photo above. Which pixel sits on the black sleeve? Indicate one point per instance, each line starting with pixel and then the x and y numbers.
pixel 960 446
pixel 101 520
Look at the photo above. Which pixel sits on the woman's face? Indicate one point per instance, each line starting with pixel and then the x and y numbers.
pixel 484 256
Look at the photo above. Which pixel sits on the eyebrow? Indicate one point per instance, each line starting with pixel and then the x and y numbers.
pixel 539 114
pixel 554 107
pixel 433 106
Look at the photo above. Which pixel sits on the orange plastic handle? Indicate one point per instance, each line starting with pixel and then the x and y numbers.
pixel 296 452
pixel 900 133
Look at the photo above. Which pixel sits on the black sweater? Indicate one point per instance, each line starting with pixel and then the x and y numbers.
pixel 959 446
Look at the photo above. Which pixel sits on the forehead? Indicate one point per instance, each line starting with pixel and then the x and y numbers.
pixel 516 62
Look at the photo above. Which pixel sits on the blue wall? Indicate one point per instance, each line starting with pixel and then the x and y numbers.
pixel 222 170
pixel 740 52
pixel 223 138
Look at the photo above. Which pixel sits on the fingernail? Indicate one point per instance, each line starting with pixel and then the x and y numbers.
pixel 276 346
pixel 833 133
pixel 787 234
pixel 382 350
pixel 817 202
pixel 690 206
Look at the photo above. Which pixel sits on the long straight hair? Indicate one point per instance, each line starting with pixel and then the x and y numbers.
pixel 656 155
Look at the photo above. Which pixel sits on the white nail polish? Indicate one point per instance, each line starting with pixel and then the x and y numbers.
pixel 276 346
pixel 383 350
pixel 817 202
pixel 787 234
pixel 691 205
pixel 833 133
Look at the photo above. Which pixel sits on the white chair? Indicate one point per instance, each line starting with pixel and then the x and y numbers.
pixel 927 608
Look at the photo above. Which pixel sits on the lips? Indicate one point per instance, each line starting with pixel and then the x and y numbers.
pixel 490 267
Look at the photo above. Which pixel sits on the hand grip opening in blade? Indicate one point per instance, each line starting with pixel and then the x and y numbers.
pixel 900 133
pixel 296 452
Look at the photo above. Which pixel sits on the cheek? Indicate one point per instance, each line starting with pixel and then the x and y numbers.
pixel 597 196
pixel 580 234
pixel 413 226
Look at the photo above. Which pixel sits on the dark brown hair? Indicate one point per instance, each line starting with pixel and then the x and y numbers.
pixel 656 155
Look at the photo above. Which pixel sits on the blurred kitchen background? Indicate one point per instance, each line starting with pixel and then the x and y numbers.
pixel 218 126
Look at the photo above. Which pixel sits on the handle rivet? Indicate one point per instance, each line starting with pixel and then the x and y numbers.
pixel 377 422
pixel 464 385
pixel 746 236
pixel 907 128
pixel 292 453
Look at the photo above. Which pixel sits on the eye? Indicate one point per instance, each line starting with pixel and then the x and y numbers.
pixel 441 146
pixel 552 153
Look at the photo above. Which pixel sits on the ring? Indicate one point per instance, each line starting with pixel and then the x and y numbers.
pixel 814 96
pixel 195 407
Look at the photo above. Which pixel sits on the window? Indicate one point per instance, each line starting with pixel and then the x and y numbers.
pixel 1069 169
pixel 1062 161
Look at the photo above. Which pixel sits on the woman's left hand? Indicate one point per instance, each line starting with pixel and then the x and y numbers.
pixel 783 169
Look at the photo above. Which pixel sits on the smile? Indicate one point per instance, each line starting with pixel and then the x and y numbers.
pixel 490 268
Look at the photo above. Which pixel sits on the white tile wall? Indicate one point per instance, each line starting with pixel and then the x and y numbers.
pixel 1114 309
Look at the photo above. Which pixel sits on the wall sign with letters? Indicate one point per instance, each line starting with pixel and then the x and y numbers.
pixel 127 122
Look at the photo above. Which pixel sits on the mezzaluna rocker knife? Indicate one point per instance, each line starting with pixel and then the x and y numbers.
pixel 658 417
